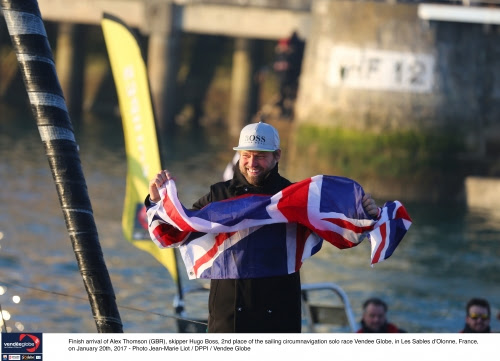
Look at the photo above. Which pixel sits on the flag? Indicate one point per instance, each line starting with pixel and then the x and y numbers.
pixel 288 226
pixel 141 145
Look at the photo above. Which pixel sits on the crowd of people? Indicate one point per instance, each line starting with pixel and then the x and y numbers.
pixel 374 318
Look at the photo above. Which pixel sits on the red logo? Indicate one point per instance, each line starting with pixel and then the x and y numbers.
pixel 142 216
pixel 35 339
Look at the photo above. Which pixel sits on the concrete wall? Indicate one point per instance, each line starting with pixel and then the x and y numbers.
pixel 261 19
pixel 483 192
pixel 377 66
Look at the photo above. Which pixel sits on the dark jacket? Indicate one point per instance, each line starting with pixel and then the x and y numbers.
pixel 265 305
pixel 467 329
pixel 387 328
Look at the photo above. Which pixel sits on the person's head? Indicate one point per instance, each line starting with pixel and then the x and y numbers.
pixel 478 314
pixel 283 45
pixel 259 148
pixel 374 314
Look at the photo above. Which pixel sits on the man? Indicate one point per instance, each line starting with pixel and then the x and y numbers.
pixel 374 318
pixel 287 66
pixel 477 316
pixel 256 304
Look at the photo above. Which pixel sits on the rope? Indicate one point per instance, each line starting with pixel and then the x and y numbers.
pixel 130 308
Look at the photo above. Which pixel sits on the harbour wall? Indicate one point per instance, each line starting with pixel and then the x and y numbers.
pixel 408 106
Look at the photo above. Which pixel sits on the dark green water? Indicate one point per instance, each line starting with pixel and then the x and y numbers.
pixel 449 255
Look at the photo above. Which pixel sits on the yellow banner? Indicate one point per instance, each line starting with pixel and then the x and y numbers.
pixel 143 158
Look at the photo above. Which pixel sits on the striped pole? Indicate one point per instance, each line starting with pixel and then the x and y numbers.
pixel 27 32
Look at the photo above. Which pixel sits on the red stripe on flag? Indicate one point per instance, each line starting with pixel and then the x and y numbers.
pixel 176 217
pixel 293 205
pixel 348 225
pixel 402 213
pixel 219 239
pixel 293 202
pixel 301 236
pixel 383 234
pixel 168 235
pixel 336 239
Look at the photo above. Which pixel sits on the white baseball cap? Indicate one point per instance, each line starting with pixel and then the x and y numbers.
pixel 260 137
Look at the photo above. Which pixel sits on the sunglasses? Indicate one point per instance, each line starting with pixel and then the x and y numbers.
pixel 482 316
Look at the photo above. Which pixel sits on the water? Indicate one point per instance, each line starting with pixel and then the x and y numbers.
pixel 450 254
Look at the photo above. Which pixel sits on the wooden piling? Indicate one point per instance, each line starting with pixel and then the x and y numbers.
pixel 241 84
pixel 70 50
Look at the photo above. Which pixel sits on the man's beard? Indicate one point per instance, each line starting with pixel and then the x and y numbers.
pixel 257 180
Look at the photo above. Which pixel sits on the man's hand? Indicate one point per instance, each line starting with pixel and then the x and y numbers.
pixel 157 182
pixel 370 206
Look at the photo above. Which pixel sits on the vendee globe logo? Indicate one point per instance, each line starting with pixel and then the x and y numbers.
pixel 21 343
pixel 36 341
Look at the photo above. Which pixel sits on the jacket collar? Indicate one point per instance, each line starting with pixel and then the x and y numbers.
pixel 467 329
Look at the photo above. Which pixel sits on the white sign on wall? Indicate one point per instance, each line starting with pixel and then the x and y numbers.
pixel 380 70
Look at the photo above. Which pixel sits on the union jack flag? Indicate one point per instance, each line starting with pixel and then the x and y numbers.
pixel 268 235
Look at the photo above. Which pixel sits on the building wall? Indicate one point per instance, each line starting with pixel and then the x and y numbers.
pixel 377 66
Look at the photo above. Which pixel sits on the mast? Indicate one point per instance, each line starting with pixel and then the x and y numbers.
pixel 34 55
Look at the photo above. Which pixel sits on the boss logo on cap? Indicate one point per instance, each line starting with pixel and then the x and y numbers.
pixel 259 137
pixel 255 138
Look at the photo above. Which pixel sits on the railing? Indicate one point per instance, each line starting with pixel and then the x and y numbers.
pixel 331 314
pixel 314 313
pixel 465 11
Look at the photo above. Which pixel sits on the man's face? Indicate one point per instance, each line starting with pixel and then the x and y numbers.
pixel 374 317
pixel 256 165
pixel 478 318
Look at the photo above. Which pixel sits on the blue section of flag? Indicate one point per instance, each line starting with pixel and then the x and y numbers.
pixel 262 253
pixel 230 213
pixel 342 195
